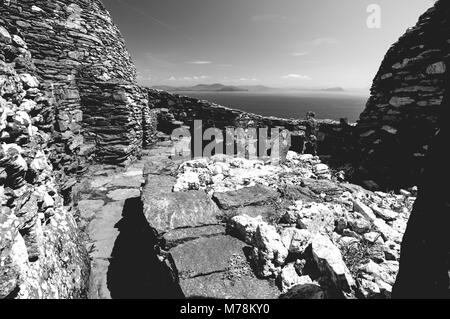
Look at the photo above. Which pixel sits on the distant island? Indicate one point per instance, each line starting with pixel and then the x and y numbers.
pixel 334 89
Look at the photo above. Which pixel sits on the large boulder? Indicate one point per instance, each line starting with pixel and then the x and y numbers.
pixel 180 210
pixel 269 253
pixel 329 261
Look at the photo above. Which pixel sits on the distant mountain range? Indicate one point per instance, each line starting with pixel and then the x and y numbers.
pixel 202 88
pixel 217 87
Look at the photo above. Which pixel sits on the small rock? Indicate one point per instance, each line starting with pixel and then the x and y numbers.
pixel 321 169
pixel 296 240
pixel 405 193
pixel 360 226
pixel 244 227
pixel 385 214
pixel 4 35
pixel 350 233
pixel 364 210
pixel 36 9
pixel 19 41
pixel 348 241
pixel 341 224
pixel 369 289
pixel 29 81
pixel 373 237
pixel 289 278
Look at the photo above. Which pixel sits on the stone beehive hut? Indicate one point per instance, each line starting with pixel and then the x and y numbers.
pixel 401 116
pixel 82 62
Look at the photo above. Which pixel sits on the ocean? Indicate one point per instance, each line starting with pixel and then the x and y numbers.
pixel 290 104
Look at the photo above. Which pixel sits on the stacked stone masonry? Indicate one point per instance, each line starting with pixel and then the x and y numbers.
pixel 401 116
pixel 41 252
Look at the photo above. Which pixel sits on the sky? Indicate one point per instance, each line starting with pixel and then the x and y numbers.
pixel 278 43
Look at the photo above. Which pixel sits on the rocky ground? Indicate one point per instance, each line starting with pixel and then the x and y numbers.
pixel 237 228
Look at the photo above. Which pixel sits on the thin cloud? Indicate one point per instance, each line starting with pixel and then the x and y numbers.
pixel 188 78
pixel 324 41
pixel 248 79
pixel 297 54
pixel 293 76
pixel 200 62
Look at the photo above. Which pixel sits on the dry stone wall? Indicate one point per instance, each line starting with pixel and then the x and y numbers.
pixel 41 252
pixel 175 110
pixel 401 116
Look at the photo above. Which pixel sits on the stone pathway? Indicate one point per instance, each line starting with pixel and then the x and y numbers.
pixel 102 197
pixel 122 234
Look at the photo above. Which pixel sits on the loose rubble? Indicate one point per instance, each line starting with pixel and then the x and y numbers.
pixel 350 235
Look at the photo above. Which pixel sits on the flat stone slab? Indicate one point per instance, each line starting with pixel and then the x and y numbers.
pixel 157 184
pixel 179 236
pixel 323 186
pixel 255 195
pixel 297 192
pixel 98 282
pixel 102 231
pixel 254 211
pixel 169 211
pixel 162 166
pixel 218 286
pixel 100 181
pixel 207 255
pixel 123 194
pixel 217 267
pixel 127 181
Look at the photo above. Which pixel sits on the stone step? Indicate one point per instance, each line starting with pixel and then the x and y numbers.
pixel 217 267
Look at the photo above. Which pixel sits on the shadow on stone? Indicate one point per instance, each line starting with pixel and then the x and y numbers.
pixel 135 271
